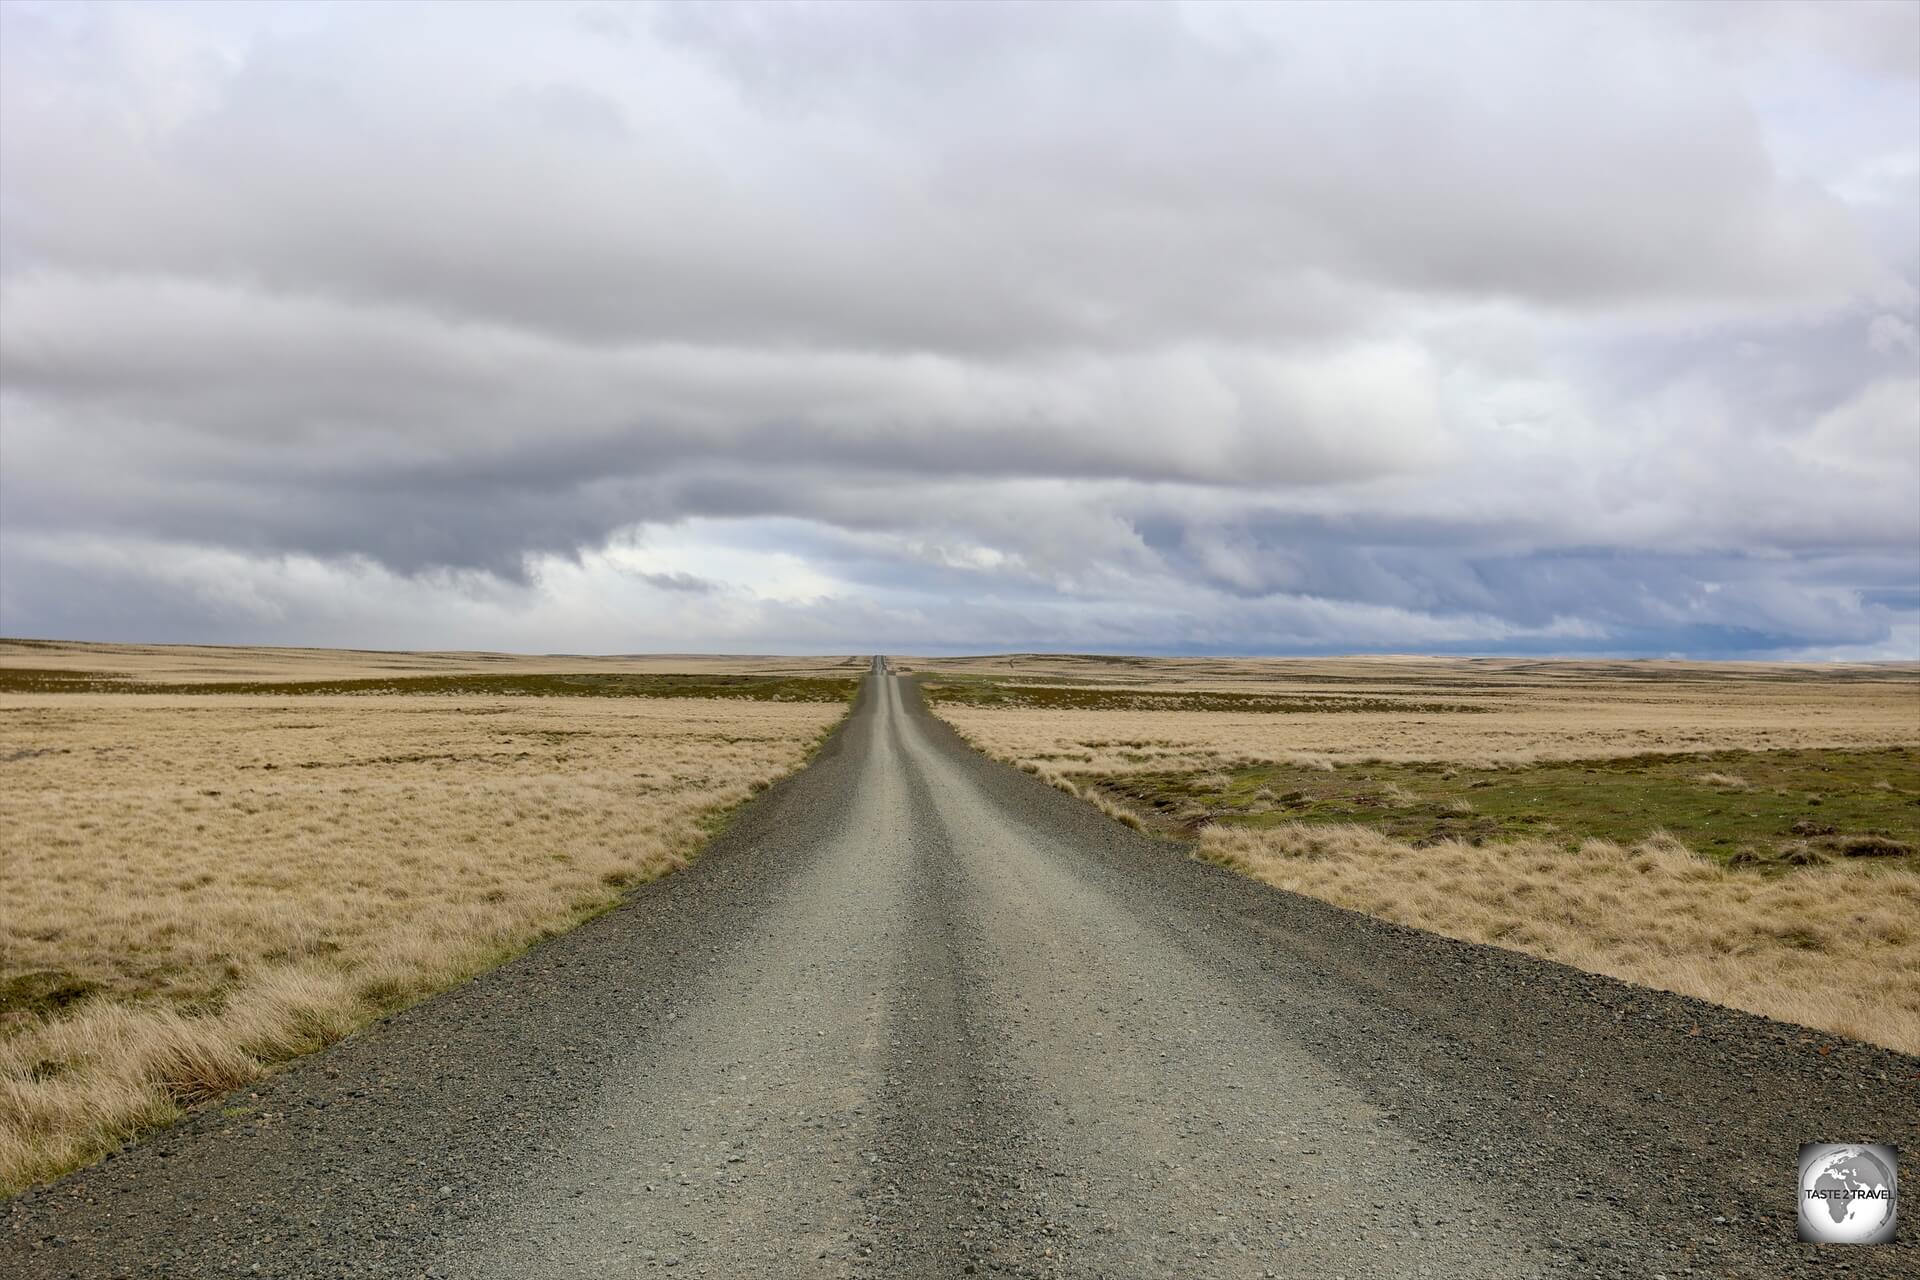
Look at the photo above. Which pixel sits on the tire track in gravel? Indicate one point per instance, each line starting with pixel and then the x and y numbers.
pixel 916 1014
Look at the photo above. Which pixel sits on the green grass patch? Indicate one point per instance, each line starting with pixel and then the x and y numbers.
pixel 42 992
pixel 591 685
pixel 1767 809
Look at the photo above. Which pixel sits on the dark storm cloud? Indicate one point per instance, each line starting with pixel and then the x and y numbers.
pixel 1125 326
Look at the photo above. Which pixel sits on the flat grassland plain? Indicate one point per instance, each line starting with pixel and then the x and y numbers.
pixel 216 859
pixel 1743 833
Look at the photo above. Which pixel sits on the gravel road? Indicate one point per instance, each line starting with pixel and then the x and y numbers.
pixel 916 1014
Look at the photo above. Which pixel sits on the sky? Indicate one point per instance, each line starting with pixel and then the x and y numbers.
pixel 917 328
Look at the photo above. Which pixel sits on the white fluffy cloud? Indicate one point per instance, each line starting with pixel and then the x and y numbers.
pixel 859 326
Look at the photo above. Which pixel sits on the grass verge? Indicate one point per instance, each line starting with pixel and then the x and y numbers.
pixel 1817 929
pixel 198 889
pixel 1835 948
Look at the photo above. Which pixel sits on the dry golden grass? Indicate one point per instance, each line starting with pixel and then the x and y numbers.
pixel 196 887
pixel 232 664
pixel 1831 947
pixel 1591 711
pixel 1470 676
pixel 1837 948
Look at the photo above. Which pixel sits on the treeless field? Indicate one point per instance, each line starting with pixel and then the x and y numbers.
pixel 233 664
pixel 1524 804
pixel 1115 715
pixel 198 886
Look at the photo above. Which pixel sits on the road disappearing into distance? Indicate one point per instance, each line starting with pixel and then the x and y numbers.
pixel 917 1014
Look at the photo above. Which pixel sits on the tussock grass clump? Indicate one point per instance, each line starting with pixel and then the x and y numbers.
pixel 1398 796
pixel 1837 947
pixel 197 888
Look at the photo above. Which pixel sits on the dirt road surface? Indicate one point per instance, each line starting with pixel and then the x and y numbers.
pixel 917 1015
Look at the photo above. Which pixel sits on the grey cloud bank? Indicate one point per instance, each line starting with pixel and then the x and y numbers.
pixel 1150 327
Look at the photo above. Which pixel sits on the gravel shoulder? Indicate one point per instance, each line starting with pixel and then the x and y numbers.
pixel 917 1014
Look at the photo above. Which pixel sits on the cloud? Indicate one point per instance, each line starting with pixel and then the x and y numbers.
pixel 1890 335
pixel 676 581
pixel 1130 326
